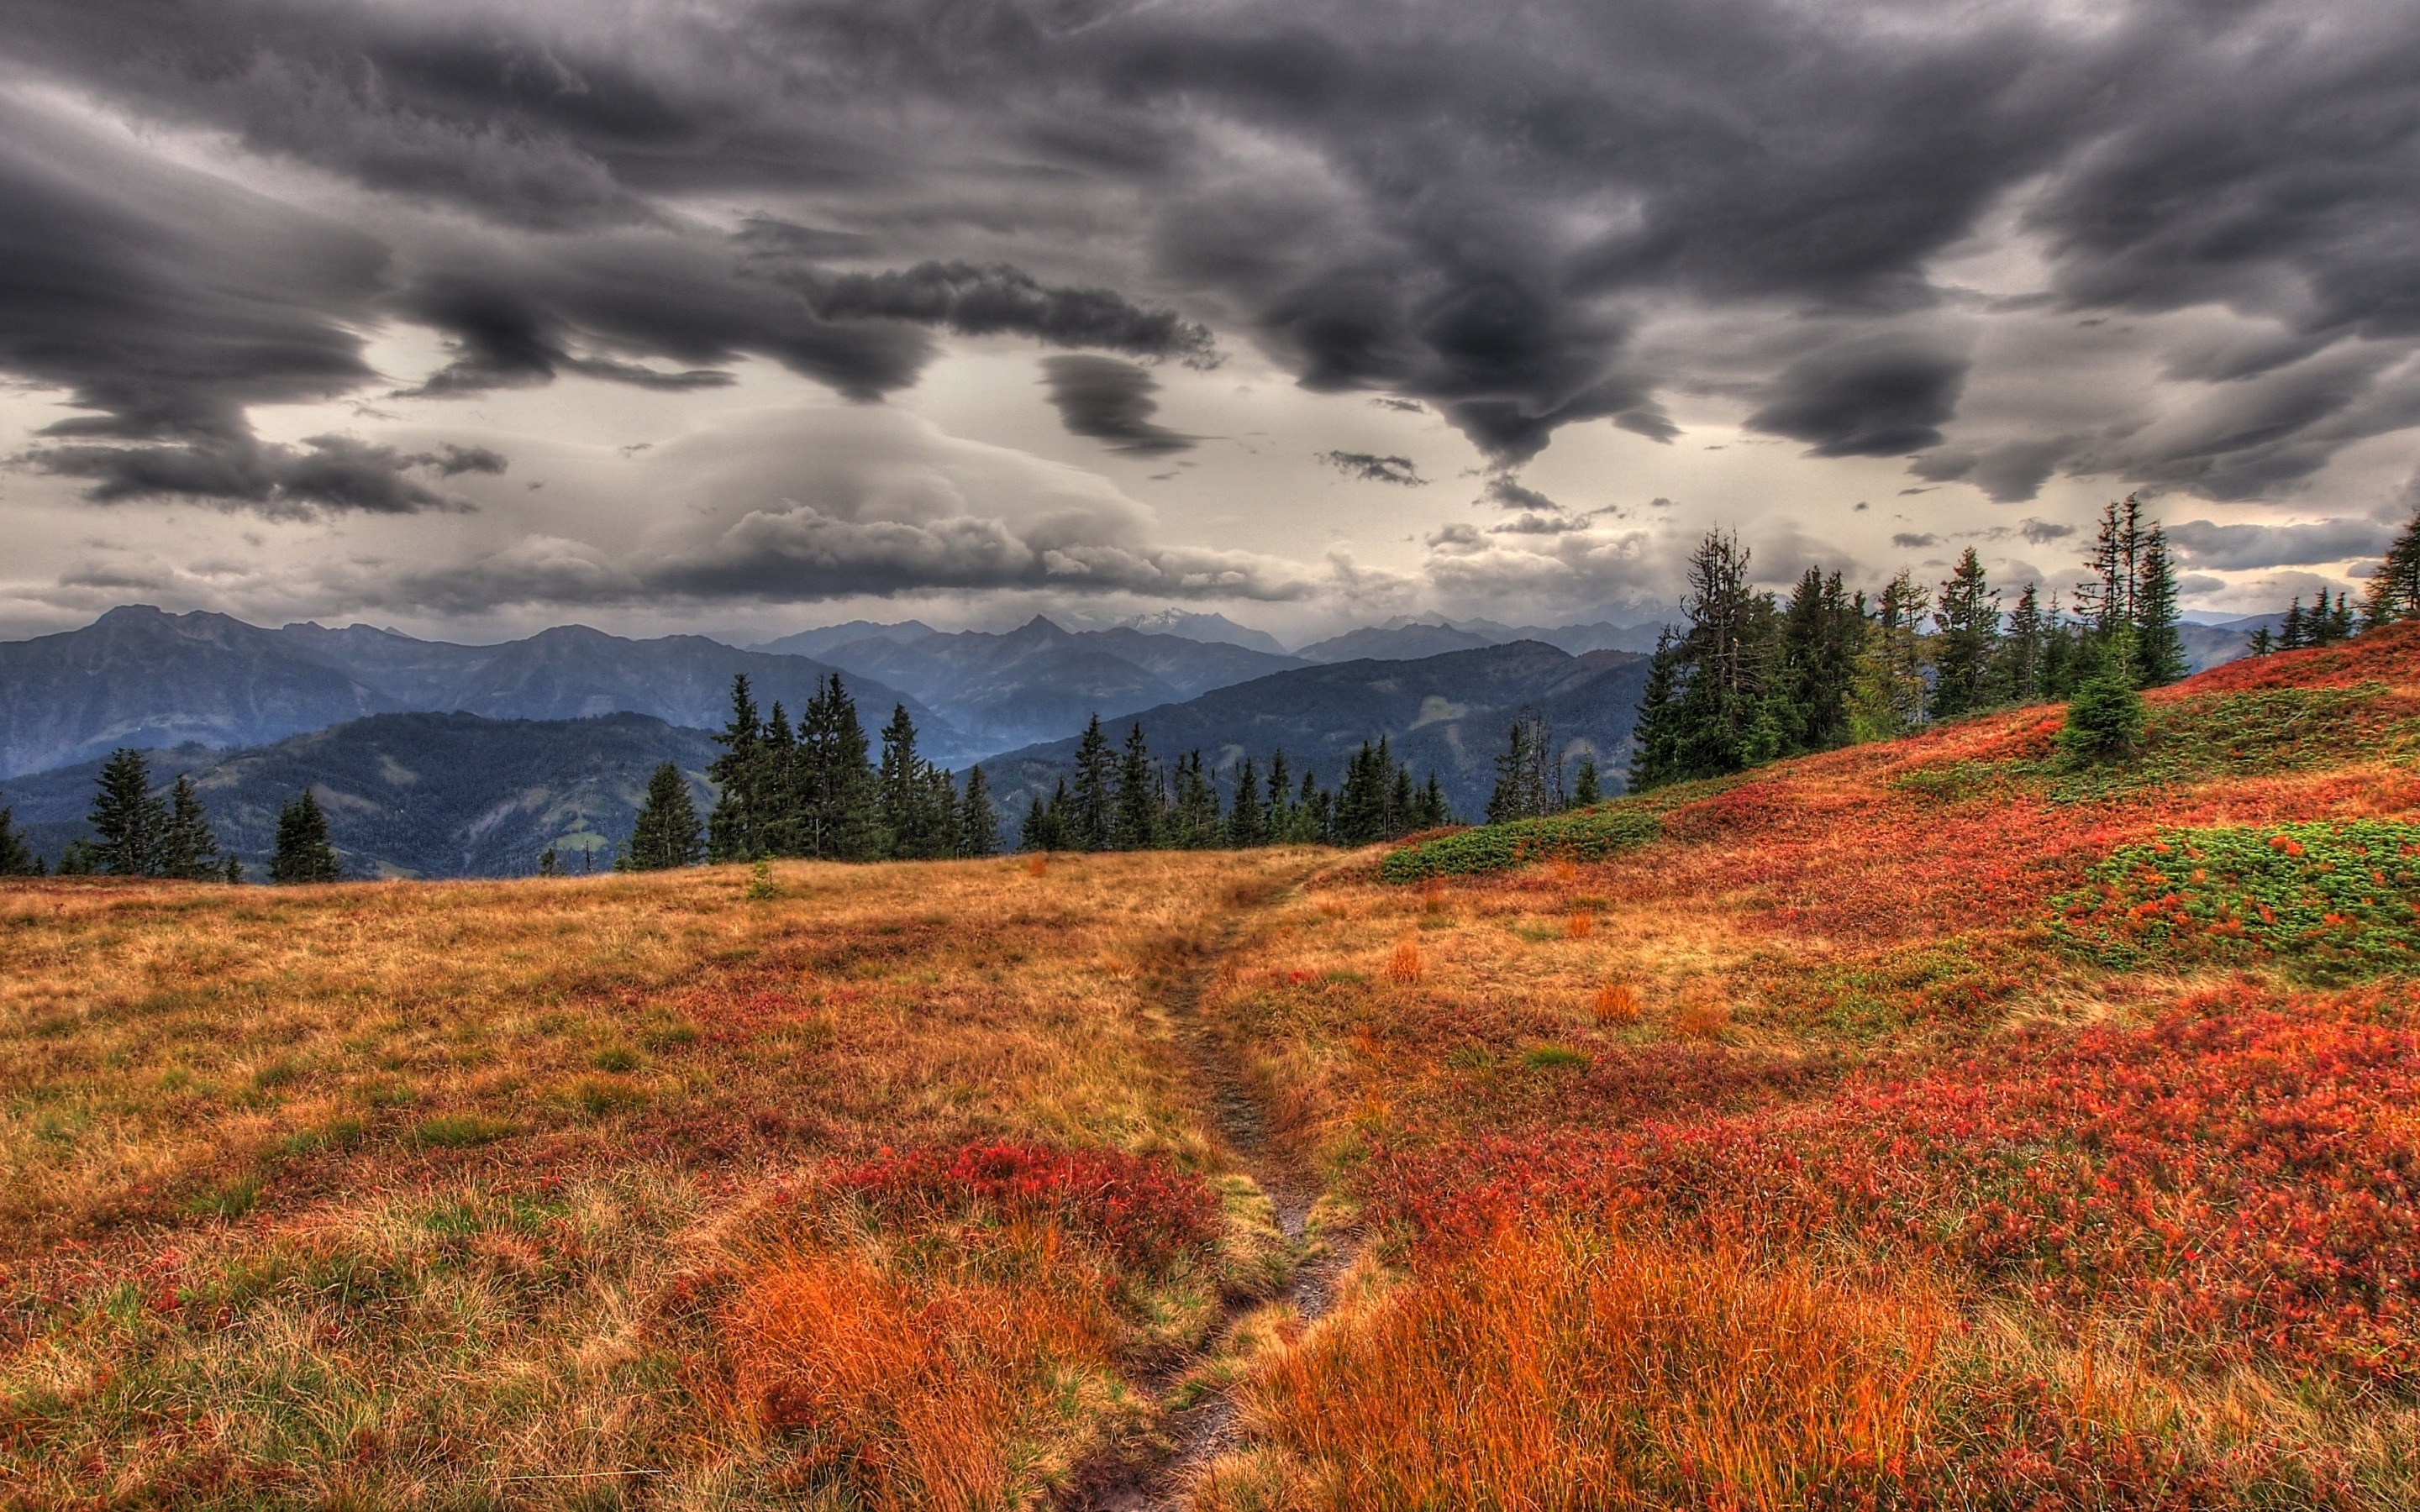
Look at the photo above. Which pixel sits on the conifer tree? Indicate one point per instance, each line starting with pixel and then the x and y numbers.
pixel 2394 592
pixel 2158 648
pixel 835 789
pixel 187 847
pixel 978 821
pixel 941 812
pixel 1729 712
pixel 2105 718
pixel 1315 814
pixel 1248 819
pixel 2340 622
pixel 1092 814
pixel 1280 808
pixel 1821 631
pixel 776 787
pixel 2293 634
pixel 1529 778
pixel 735 828
pixel 1585 790
pixel 899 788
pixel 1967 620
pixel 1431 811
pixel 2063 660
pixel 2017 672
pixel 1655 729
pixel 303 852
pixel 1887 701
pixel 17 858
pixel 129 822
pixel 1194 822
pixel 665 835
pixel 2261 642
pixel 1135 820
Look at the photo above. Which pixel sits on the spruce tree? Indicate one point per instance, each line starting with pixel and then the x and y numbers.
pixel 187 847
pixel 129 824
pixel 2340 621
pixel 2158 648
pixel 17 858
pixel 780 824
pixel 1585 791
pixel 978 821
pixel 1092 810
pixel 1967 622
pixel 1656 728
pixel 2017 671
pixel 305 852
pixel 2261 642
pixel 2105 718
pixel 1248 819
pixel 1280 809
pixel 1434 812
pixel 1134 821
pixel 1821 631
pixel 1315 815
pixel 2394 592
pixel 666 833
pixel 1729 711
pixel 2293 634
pixel 900 803
pixel 1887 699
pixel 1529 780
pixel 734 829
pixel 835 789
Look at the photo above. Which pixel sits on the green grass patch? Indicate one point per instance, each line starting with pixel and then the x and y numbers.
pixel 1553 1057
pixel 1589 835
pixel 2339 901
pixel 460 1131
pixel 2246 735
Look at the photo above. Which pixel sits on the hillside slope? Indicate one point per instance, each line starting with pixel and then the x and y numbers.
pixel 2060 1117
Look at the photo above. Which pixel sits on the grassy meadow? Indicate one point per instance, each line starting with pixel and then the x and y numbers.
pixel 1926 1125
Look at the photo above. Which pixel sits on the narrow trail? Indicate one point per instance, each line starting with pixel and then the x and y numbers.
pixel 1201 1432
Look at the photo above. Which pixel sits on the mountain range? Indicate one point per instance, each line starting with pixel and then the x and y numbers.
pixel 412 795
pixel 140 677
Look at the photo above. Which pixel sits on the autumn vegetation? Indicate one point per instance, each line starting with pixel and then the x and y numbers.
pixel 1951 1121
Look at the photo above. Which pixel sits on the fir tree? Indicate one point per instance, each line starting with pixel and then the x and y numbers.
pixel 2017 672
pixel 1371 803
pixel 2261 642
pixel 899 788
pixel 1315 815
pixel 1134 823
pixel 666 834
pixel 779 831
pixel 1655 729
pixel 1248 819
pixel 1092 812
pixel 1529 778
pixel 2159 649
pixel 303 852
pixel 2063 660
pixel 2294 633
pixel 2394 592
pixel 1967 620
pixel 2340 621
pixel 231 873
pixel 129 824
pixel 978 821
pixel 79 858
pixel 1193 824
pixel 1280 810
pixel 1431 811
pixel 1887 699
pixel 187 847
pixel 1585 791
pixel 1822 632
pixel 2104 719
pixel 734 829
pixel 835 794
pixel 16 858
pixel 1728 712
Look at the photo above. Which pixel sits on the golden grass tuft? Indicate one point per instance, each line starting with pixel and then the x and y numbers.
pixel 1405 969
pixel 1579 925
pixel 1705 1014
pixel 1616 1004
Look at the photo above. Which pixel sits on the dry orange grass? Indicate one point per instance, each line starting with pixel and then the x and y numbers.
pixel 404 1194
pixel 1403 969
pixel 1564 1369
pixel 1616 1004
pixel 1579 925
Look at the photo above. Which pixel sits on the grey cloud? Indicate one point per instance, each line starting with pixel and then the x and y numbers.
pixel 1370 468
pixel 1910 541
pixel 1000 299
pixel 2044 532
pixel 1878 397
pixel 1111 400
pixel 326 473
pixel 451 462
pixel 2201 543
pixel 1506 492
pixel 2193 585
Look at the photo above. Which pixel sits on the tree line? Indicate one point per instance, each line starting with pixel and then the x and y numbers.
pixel 1749 678
pixel 1128 800
pixel 139 832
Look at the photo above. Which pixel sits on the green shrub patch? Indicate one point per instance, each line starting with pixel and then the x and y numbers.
pixel 1589 835
pixel 2339 900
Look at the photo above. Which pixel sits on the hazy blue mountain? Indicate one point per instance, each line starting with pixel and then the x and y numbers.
pixel 816 642
pixel 140 677
pixel 1449 712
pixel 1400 642
pixel 1040 681
pixel 412 795
pixel 1213 628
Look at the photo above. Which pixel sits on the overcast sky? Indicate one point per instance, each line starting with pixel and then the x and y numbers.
pixel 472 318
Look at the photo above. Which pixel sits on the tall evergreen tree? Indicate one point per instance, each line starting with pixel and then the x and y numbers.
pixel 1248 819
pixel 900 787
pixel 303 851
pixel 1887 699
pixel 2394 592
pixel 1968 625
pixel 2158 648
pixel 1529 776
pixel 2017 672
pixel 736 829
pixel 1729 714
pixel 1046 823
pixel 1194 822
pixel 2109 601
pixel 2104 719
pixel 2260 642
pixel 1822 629
pixel 1585 788
pixel 837 791
pixel 1134 822
pixel 131 824
pixel 2293 632
pixel 2339 621
pixel 1280 809
pixel 17 858
pixel 666 833
pixel 1431 811
pixel 187 847
pixel 1314 814
pixel 938 802
pixel 978 821
pixel 1091 815
pixel 1655 729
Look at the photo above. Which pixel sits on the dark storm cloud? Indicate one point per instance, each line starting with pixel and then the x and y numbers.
pixel 2200 543
pixel 1109 400
pixel 1370 468
pixel 1473 209
pixel 1507 492
pixel 2044 532
pixel 324 474
pixel 451 462
pixel 1871 398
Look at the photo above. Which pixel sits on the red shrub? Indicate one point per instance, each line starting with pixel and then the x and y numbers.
pixel 1144 1209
